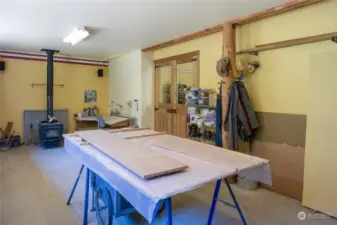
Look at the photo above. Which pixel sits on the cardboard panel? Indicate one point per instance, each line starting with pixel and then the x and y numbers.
pixel 281 128
pixel 287 166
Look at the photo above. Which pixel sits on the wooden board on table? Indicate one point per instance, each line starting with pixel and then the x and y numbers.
pixel 145 135
pixel 127 130
pixel 207 152
pixel 140 160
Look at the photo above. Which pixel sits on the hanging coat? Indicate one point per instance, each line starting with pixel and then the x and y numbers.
pixel 240 119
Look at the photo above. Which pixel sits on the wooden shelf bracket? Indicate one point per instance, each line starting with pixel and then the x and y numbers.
pixel 290 43
pixel 56 85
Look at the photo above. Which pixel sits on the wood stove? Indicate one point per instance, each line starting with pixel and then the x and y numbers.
pixel 50 130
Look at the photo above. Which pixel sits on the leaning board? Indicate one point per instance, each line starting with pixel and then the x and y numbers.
pixel 142 161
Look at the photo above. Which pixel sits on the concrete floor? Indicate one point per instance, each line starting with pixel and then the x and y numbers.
pixel 35 184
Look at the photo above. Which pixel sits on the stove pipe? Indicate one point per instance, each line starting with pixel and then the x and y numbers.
pixel 50 80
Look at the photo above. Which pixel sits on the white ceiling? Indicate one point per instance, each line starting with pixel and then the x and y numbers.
pixel 116 26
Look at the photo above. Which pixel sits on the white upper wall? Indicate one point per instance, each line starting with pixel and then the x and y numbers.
pixel 125 83
pixel 148 105
pixel 131 78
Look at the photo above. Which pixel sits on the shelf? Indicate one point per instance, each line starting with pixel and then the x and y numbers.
pixel 203 126
pixel 289 43
pixel 56 85
pixel 202 106
pixel 200 140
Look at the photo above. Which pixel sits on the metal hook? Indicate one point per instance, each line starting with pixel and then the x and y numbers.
pixel 334 39
pixel 254 53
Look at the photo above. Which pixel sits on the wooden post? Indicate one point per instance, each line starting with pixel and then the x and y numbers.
pixel 228 49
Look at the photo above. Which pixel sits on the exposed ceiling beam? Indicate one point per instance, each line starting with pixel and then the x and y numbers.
pixel 291 5
pixel 240 21
pixel 185 38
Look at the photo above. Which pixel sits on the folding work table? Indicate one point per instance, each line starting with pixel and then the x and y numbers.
pixel 147 196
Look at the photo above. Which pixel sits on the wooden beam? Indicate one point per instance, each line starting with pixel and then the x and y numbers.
pixel 185 38
pixel 295 4
pixel 228 49
pixel 127 130
pixel 291 5
pixel 289 43
pixel 146 135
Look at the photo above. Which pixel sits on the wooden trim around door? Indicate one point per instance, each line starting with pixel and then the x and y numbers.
pixel 185 56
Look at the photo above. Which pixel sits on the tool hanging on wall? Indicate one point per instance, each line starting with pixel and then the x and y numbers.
pixel 223 66
pixel 252 66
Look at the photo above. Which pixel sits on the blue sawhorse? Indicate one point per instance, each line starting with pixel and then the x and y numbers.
pixel 215 200
pixel 74 188
pixel 167 202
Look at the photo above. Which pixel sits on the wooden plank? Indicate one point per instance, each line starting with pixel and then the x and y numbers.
pixel 140 160
pixel 213 154
pixel 289 43
pixel 127 130
pixel 145 135
pixel 291 5
pixel 185 38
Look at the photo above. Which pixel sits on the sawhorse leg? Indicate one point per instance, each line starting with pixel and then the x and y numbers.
pixel 215 199
pixel 86 197
pixel 168 208
pixel 75 185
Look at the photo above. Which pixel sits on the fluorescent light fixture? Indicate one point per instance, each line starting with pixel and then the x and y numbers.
pixel 76 36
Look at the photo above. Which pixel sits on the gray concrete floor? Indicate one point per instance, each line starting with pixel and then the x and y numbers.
pixel 35 183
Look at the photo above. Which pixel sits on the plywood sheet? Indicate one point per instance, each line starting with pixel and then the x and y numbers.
pixel 219 156
pixel 142 161
pixel 320 183
pixel 287 166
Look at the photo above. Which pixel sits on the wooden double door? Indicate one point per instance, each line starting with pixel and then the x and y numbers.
pixel 172 76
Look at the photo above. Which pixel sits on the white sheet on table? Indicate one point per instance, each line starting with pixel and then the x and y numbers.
pixel 145 194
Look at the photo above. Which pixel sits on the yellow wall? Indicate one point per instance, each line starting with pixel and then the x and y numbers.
pixel 210 52
pixel 20 96
pixel 281 84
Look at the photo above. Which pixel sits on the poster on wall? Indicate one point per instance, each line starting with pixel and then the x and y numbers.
pixel 90 96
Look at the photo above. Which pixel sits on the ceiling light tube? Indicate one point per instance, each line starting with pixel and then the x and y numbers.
pixel 76 36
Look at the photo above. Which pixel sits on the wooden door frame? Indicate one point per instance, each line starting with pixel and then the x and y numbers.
pixel 179 59
pixel 173 61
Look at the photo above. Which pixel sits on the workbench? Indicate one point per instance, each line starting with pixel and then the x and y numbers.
pixel 84 123
pixel 148 196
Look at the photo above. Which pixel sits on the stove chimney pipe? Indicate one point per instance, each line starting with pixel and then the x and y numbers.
pixel 50 80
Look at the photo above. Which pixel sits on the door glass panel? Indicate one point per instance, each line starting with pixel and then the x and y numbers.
pixel 165 83
pixel 185 79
